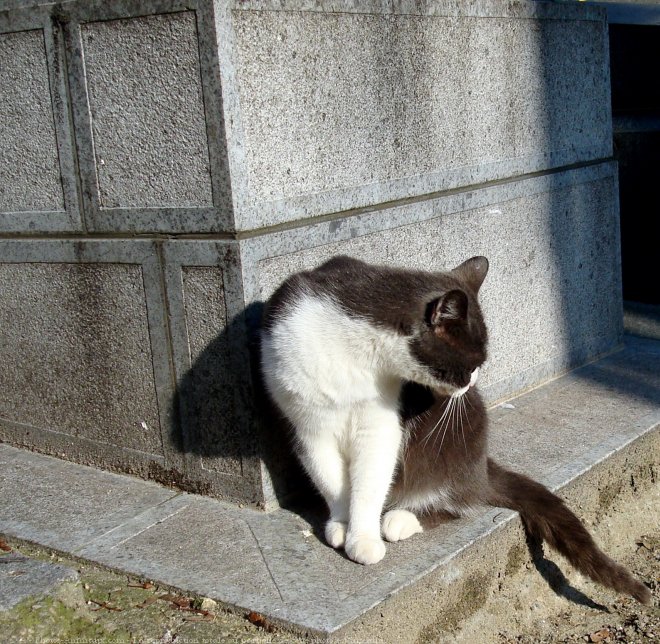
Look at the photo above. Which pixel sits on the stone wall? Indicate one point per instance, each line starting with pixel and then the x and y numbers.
pixel 165 164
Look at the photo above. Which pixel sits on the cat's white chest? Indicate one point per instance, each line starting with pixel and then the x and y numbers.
pixel 320 354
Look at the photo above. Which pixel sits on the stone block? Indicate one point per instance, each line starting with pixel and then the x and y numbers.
pixel 99 504
pixel 552 298
pixel 133 357
pixel 213 399
pixel 147 111
pixel 30 173
pixel 37 182
pixel 148 114
pixel 85 356
pixel 22 578
pixel 345 105
pixel 212 117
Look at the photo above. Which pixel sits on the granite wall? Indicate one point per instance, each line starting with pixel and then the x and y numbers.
pixel 165 164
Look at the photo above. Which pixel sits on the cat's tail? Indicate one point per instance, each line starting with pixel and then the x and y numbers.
pixel 546 517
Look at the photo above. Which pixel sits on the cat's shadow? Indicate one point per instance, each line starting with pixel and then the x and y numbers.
pixel 555 578
pixel 221 416
pixel 201 413
pixel 549 571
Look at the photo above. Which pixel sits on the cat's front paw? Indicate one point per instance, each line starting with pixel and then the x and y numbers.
pixel 335 533
pixel 364 549
pixel 400 524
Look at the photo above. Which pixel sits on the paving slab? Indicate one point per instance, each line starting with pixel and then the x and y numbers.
pixel 46 501
pixel 22 577
pixel 277 564
pixel 642 319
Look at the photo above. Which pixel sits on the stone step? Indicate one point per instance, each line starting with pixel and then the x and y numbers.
pixel 592 434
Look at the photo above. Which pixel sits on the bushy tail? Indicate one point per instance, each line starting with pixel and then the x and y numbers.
pixel 547 517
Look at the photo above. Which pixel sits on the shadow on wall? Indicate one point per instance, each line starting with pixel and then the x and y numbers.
pixel 581 236
pixel 216 416
pixel 223 417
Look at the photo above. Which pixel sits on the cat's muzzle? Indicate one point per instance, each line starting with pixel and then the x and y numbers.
pixel 463 390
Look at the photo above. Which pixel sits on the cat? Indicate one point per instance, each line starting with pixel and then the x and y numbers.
pixel 373 366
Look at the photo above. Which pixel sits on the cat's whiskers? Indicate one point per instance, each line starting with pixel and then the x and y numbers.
pixel 457 411
pixel 414 423
pixel 432 430
pixel 463 410
pixel 467 414
pixel 449 422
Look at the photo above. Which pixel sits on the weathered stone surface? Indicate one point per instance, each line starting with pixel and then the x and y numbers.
pixel 147 111
pixel 96 503
pixel 76 356
pixel 29 165
pixel 341 109
pixel 553 294
pixel 21 578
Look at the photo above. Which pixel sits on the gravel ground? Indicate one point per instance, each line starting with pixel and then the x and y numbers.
pixel 626 620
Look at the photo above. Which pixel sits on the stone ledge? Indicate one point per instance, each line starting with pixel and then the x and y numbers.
pixel 584 434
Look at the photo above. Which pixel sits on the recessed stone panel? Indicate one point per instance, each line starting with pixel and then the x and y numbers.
pixel 29 165
pixel 208 393
pixel 76 353
pixel 147 112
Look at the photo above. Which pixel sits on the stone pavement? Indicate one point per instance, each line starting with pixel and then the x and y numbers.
pixel 599 420
pixel 22 577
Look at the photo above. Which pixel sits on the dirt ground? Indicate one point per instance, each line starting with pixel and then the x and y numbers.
pixel 624 620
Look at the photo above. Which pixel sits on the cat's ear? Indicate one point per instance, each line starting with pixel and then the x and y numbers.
pixel 451 308
pixel 473 272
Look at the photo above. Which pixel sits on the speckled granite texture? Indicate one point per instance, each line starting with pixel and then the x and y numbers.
pixel 165 164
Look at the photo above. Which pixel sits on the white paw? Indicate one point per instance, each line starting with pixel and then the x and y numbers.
pixel 400 524
pixel 364 549
pixel 335 533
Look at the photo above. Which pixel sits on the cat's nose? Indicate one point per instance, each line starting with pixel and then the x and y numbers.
pixel 473 377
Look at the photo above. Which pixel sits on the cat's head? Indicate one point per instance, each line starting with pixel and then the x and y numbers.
pixel 449 343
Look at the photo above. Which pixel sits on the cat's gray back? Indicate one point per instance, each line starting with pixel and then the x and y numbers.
pixel 387 297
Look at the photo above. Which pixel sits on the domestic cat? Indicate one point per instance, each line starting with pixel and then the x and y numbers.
pixel 373 367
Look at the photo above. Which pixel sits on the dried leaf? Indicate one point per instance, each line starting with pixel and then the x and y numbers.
pixel 181 602
pixel 259 620
pixel 167 597
pixel 147 585
pixel 4 546
pixel 147 602
pixel 648 542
